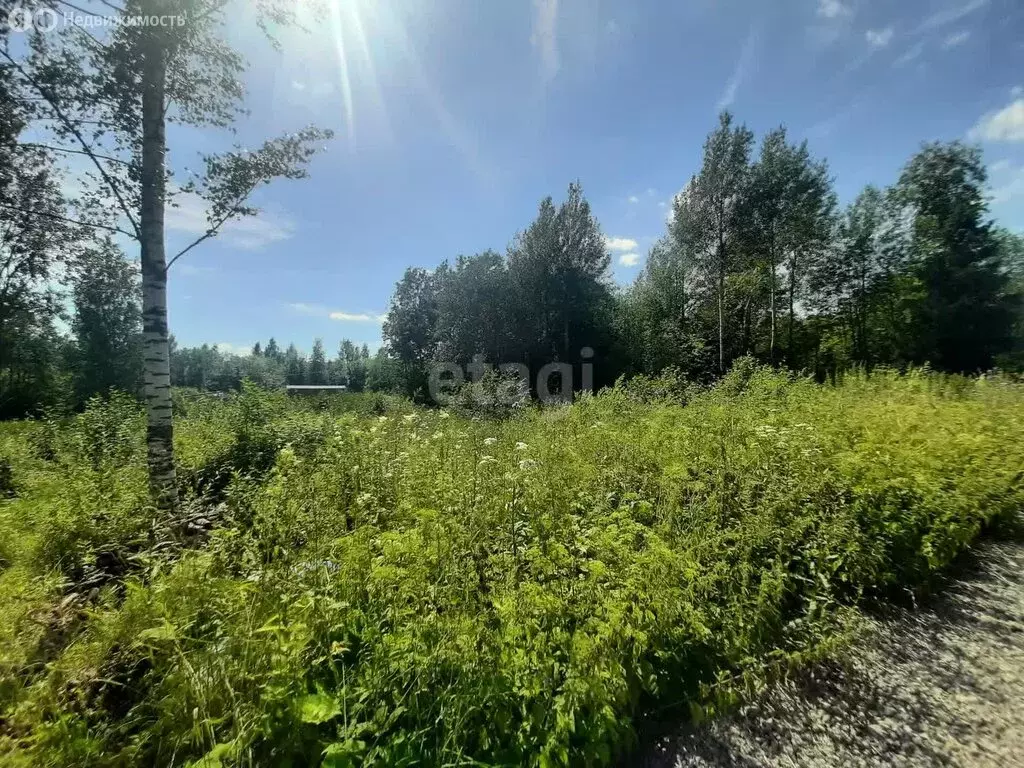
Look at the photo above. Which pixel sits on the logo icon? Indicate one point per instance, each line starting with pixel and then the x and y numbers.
pixel 22 19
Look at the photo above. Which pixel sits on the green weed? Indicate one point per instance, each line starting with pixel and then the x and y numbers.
pixel 413 587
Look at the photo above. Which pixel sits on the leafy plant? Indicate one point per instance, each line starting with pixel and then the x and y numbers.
pixel 417 587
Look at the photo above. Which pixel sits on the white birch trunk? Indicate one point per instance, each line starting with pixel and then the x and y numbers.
pixel 156 348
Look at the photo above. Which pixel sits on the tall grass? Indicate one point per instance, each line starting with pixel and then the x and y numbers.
pixel 411 587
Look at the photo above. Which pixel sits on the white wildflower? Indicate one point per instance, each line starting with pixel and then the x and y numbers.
pixel 490 440
pixel 521 446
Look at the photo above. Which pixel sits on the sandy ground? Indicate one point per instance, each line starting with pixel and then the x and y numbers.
pixel 940 685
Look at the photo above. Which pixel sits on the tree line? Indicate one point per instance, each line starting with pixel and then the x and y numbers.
pixel 270 366
pixel 757 259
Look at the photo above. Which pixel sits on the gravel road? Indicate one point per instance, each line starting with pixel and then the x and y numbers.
pixel 942 685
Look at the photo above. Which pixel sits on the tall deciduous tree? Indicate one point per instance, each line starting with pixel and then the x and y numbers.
pixel 110 99
pixel 473 309
pixel 707 215
pixel 411 326
pixel 788 219
pixel 34 233
pixel 846 279
pixel 659 328
pixel 965 315
pixel 107 322
pixel 559 276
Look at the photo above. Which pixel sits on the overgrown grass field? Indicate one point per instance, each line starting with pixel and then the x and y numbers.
pixel 360 582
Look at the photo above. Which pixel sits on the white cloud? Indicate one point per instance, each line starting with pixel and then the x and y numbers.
pixel 357 317
pixel 318 310
pixel 832 21
pixel 252 233
pixel 911 54
pixel 833 9
pixel 308 309
pixel 999 166
pixel 629 259
pixel 1006 124
pixel 952 14
pixel 189 216
pixel 1016 91
pixel 879 38
pixel 739 72
pixel 227 348
pixel 957 38
pixel 1011 189
pixel 622 244
pixel 544 36
pixel 633 199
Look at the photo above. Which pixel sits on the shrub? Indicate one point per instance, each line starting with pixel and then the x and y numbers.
pixel 416 587
pixel 494 396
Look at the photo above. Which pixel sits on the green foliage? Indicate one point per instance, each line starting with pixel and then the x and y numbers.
pixel 93 517
pixel 413 587
pixel 107 323
pixel 7 487
pixel 547 300
pixel 494 396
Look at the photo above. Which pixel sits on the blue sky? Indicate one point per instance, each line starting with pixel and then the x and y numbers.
pixel 455 117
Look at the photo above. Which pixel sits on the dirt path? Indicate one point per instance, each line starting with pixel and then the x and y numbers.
pixel 942 685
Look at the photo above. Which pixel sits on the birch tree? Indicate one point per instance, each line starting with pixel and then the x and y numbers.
pixel 708 214
pixel 788 219
pixel 108 99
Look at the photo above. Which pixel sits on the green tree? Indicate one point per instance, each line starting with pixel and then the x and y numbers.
pixel 107 322
pixel 317 370
pixel 788 220
pixel 411 326
pixel 382 373
pixel 34 238
pixel 473 309
pixel 656 313
pixel 110 99
pixel 355 366
pixel 295 366
pixel 1011 250
pixel 267 373
pixel 272 351
pixel 965 315
pixel 707 214
pixel 558 270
